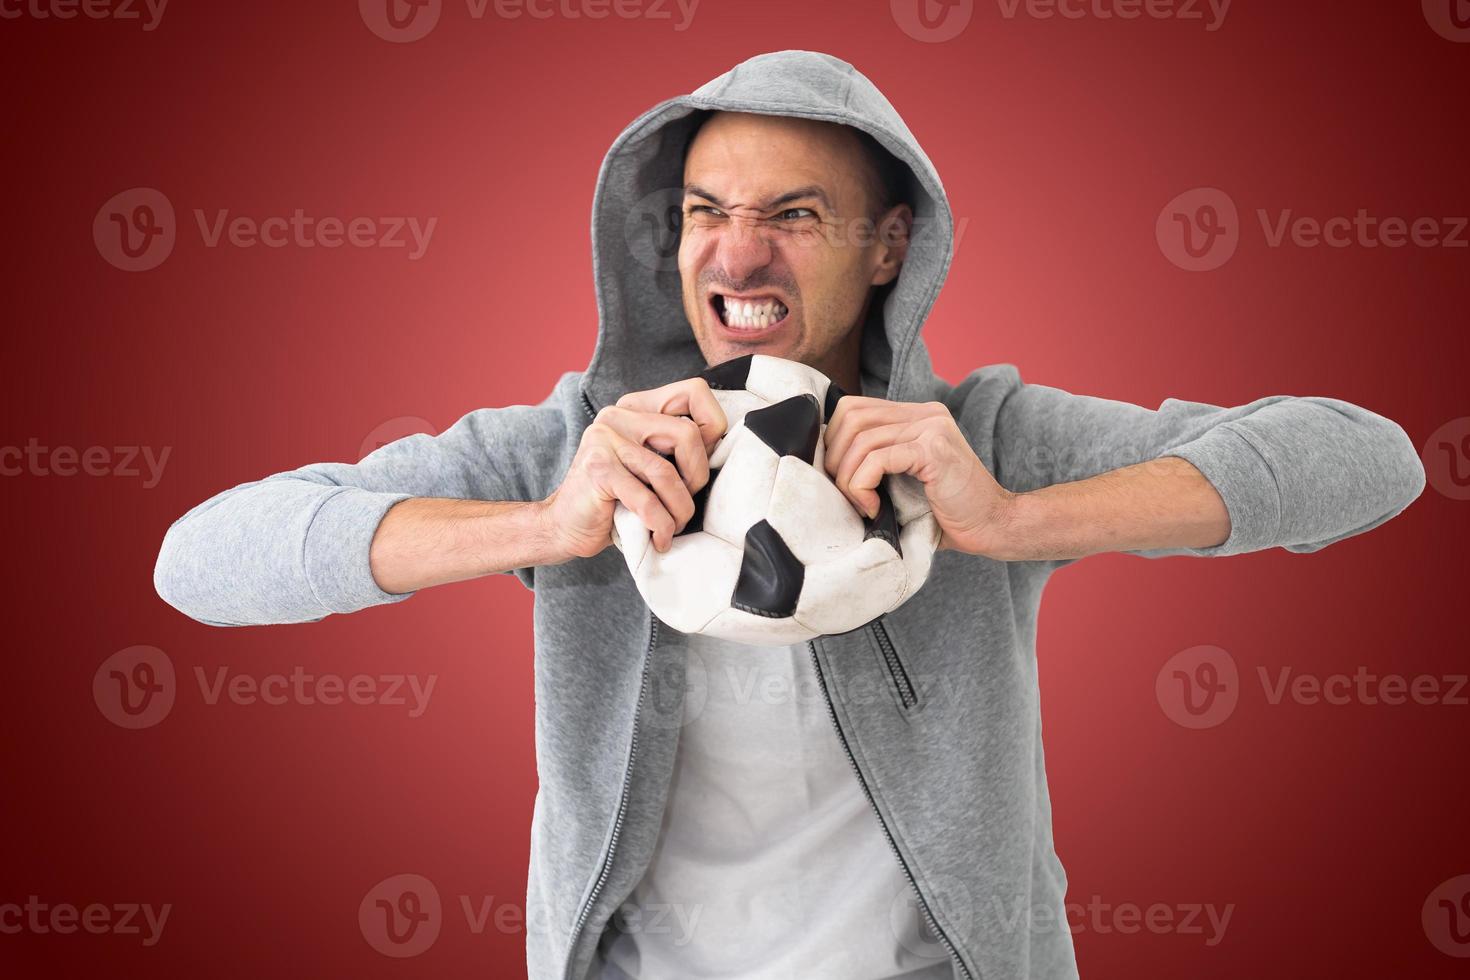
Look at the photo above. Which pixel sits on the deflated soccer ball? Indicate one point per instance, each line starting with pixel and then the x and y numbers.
pixel 774 553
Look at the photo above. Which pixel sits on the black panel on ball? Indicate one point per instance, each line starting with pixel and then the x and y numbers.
pixel 829 404
pixel 885 525
pixel 696 523
pixel 790 428
pixel 730 375
pixel 770 576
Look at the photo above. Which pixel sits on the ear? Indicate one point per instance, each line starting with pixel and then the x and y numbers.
pixel 893 229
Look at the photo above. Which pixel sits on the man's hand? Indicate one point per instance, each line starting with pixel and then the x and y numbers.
pixel 1164 503
pixel 869 437
pixel 618 461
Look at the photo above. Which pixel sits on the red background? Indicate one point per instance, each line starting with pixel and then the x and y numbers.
pixel 1059 141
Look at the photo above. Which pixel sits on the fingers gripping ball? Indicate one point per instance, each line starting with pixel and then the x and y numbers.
pixel 774 553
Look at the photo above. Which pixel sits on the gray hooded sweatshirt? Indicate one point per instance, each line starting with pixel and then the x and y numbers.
pixel 935 703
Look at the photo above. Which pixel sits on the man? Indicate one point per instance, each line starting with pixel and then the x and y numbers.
pixel 897 823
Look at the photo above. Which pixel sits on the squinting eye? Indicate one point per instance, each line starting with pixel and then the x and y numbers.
pixel 705 209
pixel 794 214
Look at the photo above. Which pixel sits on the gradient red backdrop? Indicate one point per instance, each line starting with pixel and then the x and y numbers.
pixel 1324 829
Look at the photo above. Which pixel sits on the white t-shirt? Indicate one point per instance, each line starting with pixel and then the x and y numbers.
pixel 770 864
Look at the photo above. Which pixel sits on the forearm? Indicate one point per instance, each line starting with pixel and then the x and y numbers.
pixel 1160 504
pixel 425 541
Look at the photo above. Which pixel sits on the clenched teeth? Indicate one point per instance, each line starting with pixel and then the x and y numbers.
pixel 747 315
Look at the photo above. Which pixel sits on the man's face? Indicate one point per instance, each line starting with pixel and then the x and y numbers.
pixel 779 216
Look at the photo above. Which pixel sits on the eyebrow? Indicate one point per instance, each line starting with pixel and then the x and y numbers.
pixel 800 194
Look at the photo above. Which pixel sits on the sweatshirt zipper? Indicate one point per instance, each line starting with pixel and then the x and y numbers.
pixel 617 831
pixel 852 761
pixel 906 693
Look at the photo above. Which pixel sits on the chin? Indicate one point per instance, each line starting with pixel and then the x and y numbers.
pixel 718 350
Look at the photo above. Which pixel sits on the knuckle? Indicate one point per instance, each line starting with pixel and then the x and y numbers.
pixel 598 462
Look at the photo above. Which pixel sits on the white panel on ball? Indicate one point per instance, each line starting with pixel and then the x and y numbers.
pixel 739 626
pixel 862 585
pixel 811 514
pixel 776 380
pixel 691 583
pixel 742 493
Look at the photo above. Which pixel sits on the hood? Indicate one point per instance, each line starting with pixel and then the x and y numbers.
pixel 644 339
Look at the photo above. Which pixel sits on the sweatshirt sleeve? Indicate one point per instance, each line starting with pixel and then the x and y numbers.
pixel 293 547
pixel 1299 473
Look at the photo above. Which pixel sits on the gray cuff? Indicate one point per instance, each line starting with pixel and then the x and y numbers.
pixel 335 554
pixel 1245 481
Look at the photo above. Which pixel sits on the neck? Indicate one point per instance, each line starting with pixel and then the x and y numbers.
pixel 843 363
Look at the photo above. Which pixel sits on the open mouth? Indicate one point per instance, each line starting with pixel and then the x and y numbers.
pixel 749 313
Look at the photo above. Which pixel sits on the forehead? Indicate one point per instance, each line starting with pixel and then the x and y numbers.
pixel 749 158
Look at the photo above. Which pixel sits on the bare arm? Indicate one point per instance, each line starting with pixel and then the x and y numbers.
pixel 1164 503
pixel 427 541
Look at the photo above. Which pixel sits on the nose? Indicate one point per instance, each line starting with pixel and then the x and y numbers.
pixel 743 248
